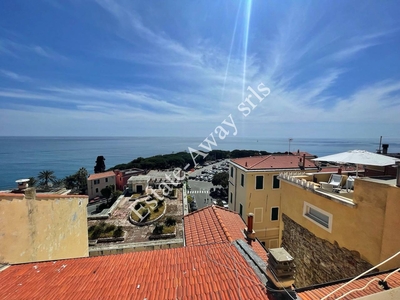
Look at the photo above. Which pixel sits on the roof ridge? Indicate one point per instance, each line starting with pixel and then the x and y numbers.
pixel 221 222
pixel 196 211
pixel 262 160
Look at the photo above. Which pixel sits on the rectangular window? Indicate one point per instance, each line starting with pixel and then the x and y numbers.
pixel 275 214
pixel 276 184
pixel 231 197
pixel 318 216
pixel 231 171
pixel 258 214
pixel 242 180
pixel 97 190
pixel 106 179
pixel 241 210
pixel 259 182
pixel 96 181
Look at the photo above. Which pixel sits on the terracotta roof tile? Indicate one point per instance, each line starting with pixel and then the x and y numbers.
pixel 317 293
pixel 193 272
pixel 214 224
pixel 273 161
pixel 101 175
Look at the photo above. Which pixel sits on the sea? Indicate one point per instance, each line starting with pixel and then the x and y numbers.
pixel 24 157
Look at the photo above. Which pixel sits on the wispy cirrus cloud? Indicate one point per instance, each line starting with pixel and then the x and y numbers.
pixel 16 49
pixel 14 76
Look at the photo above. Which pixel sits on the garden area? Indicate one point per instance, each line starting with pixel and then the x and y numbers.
pixel 104 230
pixel 147 210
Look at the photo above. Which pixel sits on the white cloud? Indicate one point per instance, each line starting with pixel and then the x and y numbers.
pixel 15 76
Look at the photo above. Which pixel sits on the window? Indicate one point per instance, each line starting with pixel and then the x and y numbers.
pixel 242 180
pixel 231 197
pixel 96 181
pixel 241 210
pixel 106 179
pixel 231 171
pixel 276 184
pixel 318 216
pixel 275 214
pixel 97 190
pixel 259 182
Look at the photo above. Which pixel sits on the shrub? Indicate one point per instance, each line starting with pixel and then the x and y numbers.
pixel 109 228
pixel 170 221
pixel 160 202
pixel 156 209
pixel 118 232
pixel 138 206
pixel 96 232
pixel 158 229
pixel 144 212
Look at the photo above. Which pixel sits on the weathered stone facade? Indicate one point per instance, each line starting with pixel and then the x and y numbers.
pixel 317 260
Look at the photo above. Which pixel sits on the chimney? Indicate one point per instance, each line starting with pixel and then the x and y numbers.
pixel 30 193
pixel 281 268
pixel 398 174
pixel 245 164
pixel 249 232
pixel 385 148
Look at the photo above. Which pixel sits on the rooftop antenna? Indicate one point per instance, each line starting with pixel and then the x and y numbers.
pixel 380 145
pixel 289 145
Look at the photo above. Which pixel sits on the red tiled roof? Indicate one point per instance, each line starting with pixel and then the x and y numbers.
pixel 315 294
pixel 101 175
pixel 272 161
pixel 200 272
pixel 214 224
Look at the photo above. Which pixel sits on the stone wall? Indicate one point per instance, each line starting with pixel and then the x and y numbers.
pixel 317 260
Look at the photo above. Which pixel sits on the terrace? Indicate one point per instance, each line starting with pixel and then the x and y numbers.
pixel 342 188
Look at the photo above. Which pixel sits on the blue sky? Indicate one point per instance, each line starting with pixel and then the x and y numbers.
pixel 179 68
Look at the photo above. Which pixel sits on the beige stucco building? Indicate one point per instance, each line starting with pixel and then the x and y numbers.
pixel 39 227
pixel 254 188
pixel 341 233
pixel 97 182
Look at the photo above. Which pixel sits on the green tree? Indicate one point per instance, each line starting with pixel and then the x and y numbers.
pixel 45 177
pixel 221 179
pixel 100 164
pixel 32 181
pixel 106 192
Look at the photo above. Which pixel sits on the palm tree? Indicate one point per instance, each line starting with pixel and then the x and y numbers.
pixel 32 181
pixel 45 177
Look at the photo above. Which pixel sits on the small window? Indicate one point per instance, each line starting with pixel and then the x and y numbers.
pixel 276 184
pixel 97 190
pixel 231 197
pixel 259 182
pixel 275 214
pixel 106 179
pixel 242 180
pixel 241 210
pixel 231 171
pixel 318 216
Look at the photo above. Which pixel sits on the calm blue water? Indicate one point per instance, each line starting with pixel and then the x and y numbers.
pixel 23 157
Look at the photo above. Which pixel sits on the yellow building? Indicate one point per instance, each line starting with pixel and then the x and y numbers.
pixel 98 181
pixel 254 187
pixel 340 233
pixel 42 227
